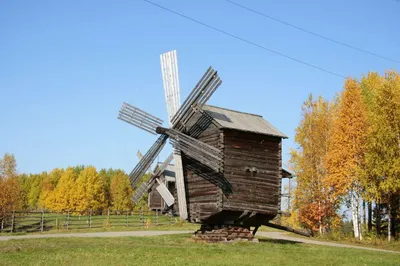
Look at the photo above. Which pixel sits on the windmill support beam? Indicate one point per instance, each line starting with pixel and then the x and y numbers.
pixel 180 186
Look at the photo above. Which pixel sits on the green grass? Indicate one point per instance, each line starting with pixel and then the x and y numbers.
pixel 177 226
pixel 180 250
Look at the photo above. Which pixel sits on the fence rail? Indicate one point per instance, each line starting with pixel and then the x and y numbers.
pixel 41 221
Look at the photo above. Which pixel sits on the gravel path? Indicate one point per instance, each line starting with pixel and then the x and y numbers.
pixel 97 234
pixel 283 236
pixel 270 235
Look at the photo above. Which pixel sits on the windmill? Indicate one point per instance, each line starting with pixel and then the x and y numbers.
pixel 228 163
pixel 181 141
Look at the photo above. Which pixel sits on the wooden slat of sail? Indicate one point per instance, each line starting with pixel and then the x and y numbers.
pixel 197 150
pixel 169 70
pixel 144 164
pixel 139 118
pixel 197 98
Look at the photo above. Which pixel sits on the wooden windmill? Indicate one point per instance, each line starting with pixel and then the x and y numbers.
pixel 228 163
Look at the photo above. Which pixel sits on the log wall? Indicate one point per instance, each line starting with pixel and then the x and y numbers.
pixel 252 166
pixel 202 195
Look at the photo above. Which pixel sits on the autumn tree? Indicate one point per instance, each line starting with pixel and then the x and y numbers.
pixel 9 185
pixel 63 196
pixel 25 186
pixel 48 185
pixel 36 188
pixel 120 191
pixel 346 149
pixel 312 200
pixel 382 158
pixel 90 193
pixel 106 176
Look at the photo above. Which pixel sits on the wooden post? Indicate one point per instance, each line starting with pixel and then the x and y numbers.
pixel 90 219
pixel 126 219
pixel 108 218
pixel 42 221
pixel 141 217
pixel 156 217
pixel 12 221
pixel 67 220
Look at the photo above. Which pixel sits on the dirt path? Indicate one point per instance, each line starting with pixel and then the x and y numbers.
pixel 97 234
pixel 270 235
pixel 283 236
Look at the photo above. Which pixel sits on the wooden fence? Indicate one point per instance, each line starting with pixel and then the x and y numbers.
pixel 41 221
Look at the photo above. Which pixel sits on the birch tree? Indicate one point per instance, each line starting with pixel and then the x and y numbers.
pixel 382 178
pixel 346 149
pixel 9 185
pixel 312 199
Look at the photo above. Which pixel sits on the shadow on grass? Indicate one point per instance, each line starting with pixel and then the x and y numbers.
pixel 277 241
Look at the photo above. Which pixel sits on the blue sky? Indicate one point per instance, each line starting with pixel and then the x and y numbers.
pixel 66 67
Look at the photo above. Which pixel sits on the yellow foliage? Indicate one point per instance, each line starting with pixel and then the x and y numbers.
pixel 49 183
pixel 347 142
pixel 9 196
pixel 382 167
pixel 312 202
pixel 121 191
pixel 63 196
pixel 90 191
pixel 9 185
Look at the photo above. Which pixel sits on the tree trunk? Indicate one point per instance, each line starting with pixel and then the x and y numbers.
pixel 389 222
pixel 395 212
pixel 355 215
pixel 378 218
pixel 364 220
pixel 320 218
pixel 370 216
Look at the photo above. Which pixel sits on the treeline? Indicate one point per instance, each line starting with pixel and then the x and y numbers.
pixel 77 188
pixel 349 155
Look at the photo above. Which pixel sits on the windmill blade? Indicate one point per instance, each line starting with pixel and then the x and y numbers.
pixel 139 118
pixel 140 192
pixel 169 71
pixel 165 194
pixel 197 98
pixel 140 156
pixel 200 151
pixel 147 160
pixel 144 187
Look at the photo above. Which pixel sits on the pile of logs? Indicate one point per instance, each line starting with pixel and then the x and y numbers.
pixel 223 233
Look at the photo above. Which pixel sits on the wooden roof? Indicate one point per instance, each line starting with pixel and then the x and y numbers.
pixel 226 118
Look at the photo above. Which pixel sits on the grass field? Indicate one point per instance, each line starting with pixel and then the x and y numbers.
pixel 180 250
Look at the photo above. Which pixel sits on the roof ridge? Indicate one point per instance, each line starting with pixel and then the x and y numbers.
pixel 232 110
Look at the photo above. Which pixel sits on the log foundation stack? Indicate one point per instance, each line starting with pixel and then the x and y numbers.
pixel 223 233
